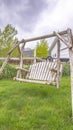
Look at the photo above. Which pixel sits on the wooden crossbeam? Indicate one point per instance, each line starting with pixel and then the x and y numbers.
pixel 63 48
pixel 4 64
pixel 34 81
pixel 17 44
pixel 63 40
pixel 23 69
pixel 53 44
pixel 43 37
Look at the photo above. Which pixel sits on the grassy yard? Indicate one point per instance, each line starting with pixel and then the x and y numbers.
pixel 26 106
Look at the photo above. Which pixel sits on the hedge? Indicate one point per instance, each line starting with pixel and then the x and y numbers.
pixel 8 73
pixel 66 69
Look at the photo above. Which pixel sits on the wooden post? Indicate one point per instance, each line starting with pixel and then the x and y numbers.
pixel 71 72
pixel 58 63
pixel 21 57
pixel 19 72
pixel 34 55
pixel 21 62
pixel 19 75
pixel 71 64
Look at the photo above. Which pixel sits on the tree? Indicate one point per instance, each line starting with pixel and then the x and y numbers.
pixel 7 38
pixel 42 49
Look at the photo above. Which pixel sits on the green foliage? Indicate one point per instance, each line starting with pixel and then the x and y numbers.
pixel 7 35
pixel 27 106
pixel 66 69
pixel 15 52
pixel 42 49
pixel 4 51
pixel 7 40
pixel 9 72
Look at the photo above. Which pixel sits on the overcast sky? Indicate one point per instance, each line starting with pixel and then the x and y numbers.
pixel 36 17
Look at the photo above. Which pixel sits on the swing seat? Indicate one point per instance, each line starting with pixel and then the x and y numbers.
pixel 41 72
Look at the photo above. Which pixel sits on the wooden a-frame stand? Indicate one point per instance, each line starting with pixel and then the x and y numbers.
pixel 68 42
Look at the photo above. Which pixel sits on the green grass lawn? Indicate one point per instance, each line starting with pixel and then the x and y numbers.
pixel 27 106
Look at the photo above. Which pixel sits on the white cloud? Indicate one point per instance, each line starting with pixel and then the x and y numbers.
pixel 55 20
pixel 58 19
pixel 57 16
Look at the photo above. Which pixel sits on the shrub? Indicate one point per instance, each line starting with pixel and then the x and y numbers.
pixel 8 73
pixel 66 69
